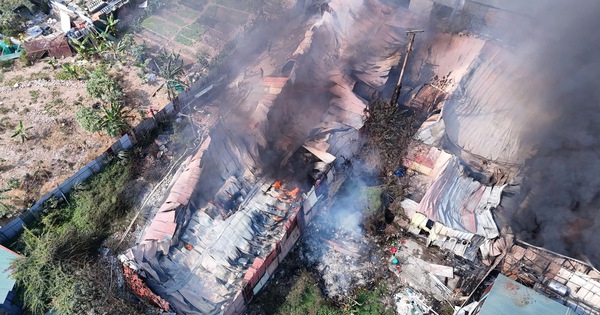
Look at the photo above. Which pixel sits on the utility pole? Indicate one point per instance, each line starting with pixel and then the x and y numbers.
pixel 408 50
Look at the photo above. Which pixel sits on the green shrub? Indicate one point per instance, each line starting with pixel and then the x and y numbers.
pixel 89 119
pixel 6 64
pixel 13 183
pixel 24 59
pixel 58 271
pixel 101 85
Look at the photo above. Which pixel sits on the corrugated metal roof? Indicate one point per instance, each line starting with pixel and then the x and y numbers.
pixel 510 297
pixel 461 203
pixel 6 282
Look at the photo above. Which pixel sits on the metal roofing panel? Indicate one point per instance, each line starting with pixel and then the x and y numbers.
pixel 6 282
pixel 510 297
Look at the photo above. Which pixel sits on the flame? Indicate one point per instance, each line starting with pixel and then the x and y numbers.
pixel 285 195
pixel 293 193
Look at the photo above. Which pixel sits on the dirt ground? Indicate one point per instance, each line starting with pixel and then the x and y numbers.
pixel 56 146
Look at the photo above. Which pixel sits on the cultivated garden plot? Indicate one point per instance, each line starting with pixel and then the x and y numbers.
pixel 198 30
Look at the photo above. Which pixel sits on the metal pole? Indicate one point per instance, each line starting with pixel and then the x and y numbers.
pixel 408 50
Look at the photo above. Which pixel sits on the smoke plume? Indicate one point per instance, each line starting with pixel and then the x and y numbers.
pixel 559 202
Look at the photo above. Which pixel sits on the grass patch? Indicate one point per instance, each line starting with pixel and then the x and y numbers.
pixel 235 4
pixel 176 20
pixel 194 31
pixel 208 20
pixel 194 4
pixel 212 11
pixel 187 12
pixel 160 27
pixel 298 293
pixel 15 80
pixel 60 270
pixel 40 76
pixel 236 18
pixel 183 40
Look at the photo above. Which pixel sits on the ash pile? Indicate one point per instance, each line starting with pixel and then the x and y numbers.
pixel 335 245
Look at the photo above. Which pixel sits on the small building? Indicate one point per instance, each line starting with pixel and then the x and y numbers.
pixel 506 296
pixel 49 46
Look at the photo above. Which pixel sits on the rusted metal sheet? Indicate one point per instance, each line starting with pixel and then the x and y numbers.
pixel 57 47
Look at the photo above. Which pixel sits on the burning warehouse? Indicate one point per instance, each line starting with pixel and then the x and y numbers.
pixel 237 207
pixel 284 123
pixel 227 251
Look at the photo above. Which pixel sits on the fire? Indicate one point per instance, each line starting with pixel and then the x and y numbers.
pixel 293 193
pixel 284 194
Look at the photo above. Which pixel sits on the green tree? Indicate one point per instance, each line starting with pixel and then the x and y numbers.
pixel 11 5
pixel 10 23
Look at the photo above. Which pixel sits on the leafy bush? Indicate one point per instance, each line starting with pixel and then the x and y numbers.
pixel 24 59
pixel 113 120
pixel 6 64
pixel 88 119
pixel 13 183
pixel 101 85
pixel 6 210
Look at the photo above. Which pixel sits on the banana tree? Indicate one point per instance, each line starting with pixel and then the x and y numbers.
pixel 71 69
pixel 115 118
pixel 82 47
pixel 21 132
pixel 170 67
pixel 110 24
pixel 116 49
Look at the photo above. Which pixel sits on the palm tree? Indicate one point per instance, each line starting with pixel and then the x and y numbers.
pixel 21 131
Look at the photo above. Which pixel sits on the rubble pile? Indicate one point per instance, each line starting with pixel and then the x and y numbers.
pixel 341 259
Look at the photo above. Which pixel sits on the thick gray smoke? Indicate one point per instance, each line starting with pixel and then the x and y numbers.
pixel 559 204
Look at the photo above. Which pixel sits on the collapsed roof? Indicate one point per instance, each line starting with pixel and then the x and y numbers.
pixel 201 250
